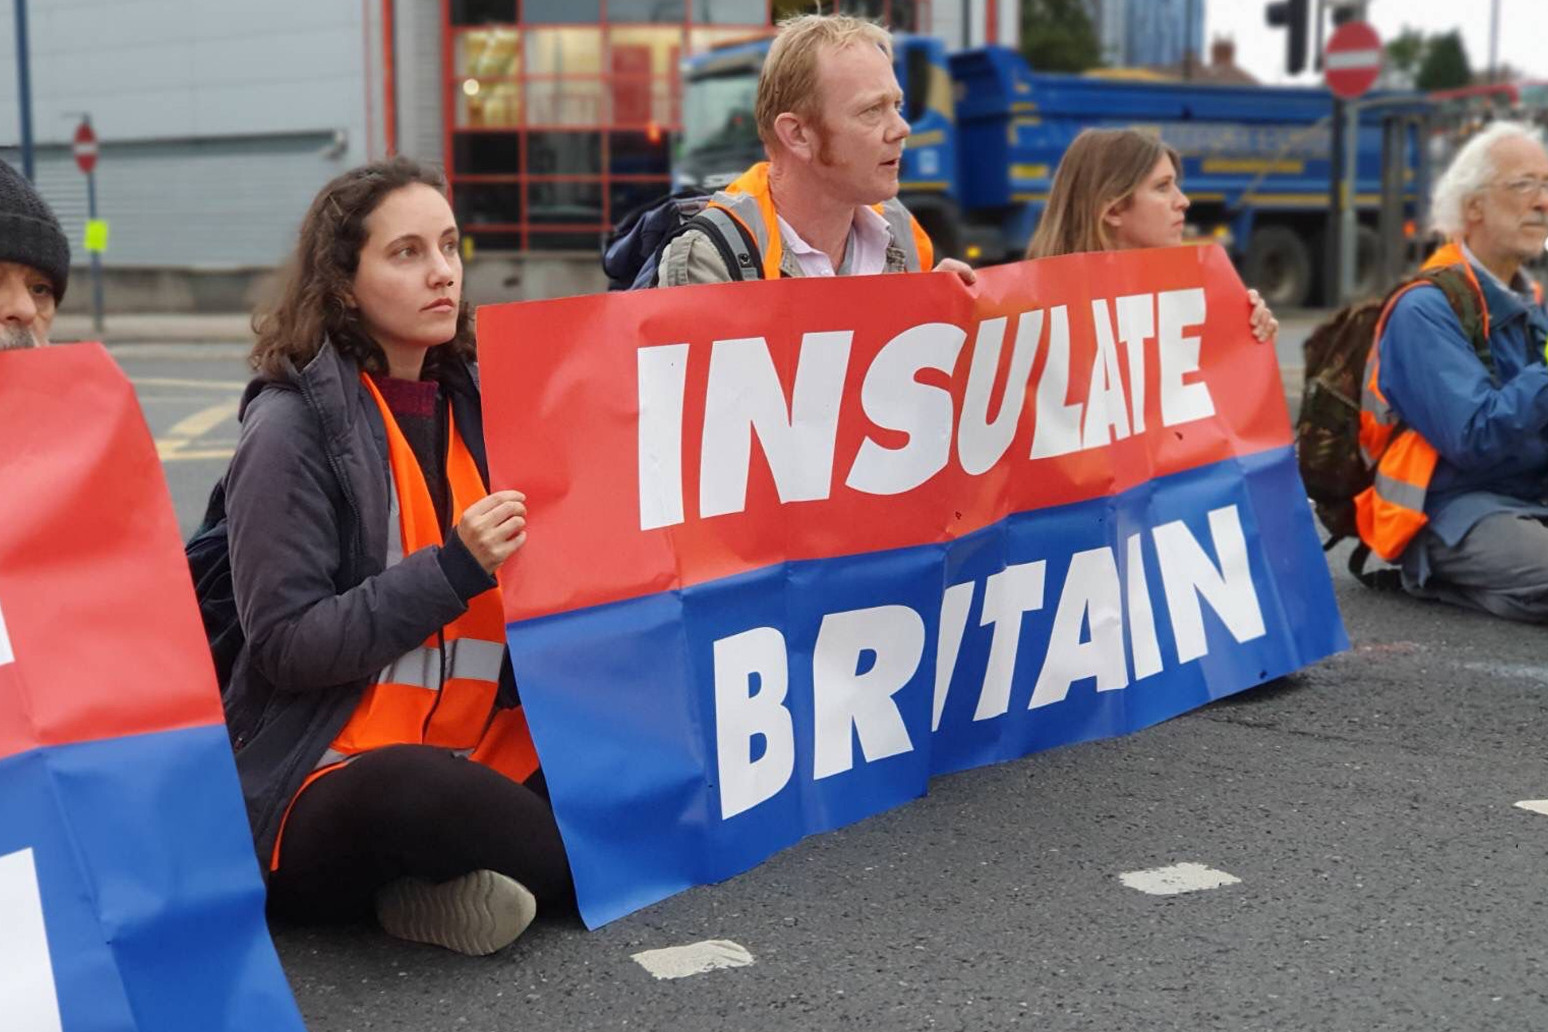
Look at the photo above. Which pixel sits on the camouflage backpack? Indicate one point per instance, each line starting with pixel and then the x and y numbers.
pixel 1327 434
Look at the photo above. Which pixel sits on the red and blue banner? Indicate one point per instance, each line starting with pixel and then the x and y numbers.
pixel 797 547
pixel 130 896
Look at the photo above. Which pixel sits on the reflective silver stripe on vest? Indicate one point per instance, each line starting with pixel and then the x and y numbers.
pixel 465 657
pixel 1399 492
pixel 745 208
pixel 394 521
pixel 901 224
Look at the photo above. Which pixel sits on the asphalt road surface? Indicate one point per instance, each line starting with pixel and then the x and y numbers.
pixel 1380 872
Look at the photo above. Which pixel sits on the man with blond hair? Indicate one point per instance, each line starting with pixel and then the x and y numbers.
pixel 829 113
pixel 1455 407
pixel 34 263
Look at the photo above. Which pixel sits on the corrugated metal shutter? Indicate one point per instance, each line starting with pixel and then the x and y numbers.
pixel 203 204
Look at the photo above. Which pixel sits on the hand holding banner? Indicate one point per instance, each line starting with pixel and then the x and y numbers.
pixel 798 546
pixel 129 892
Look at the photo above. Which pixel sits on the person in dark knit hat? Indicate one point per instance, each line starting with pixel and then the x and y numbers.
pixel 34 263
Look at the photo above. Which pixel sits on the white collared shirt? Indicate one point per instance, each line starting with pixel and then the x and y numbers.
pixel 865 254
pixel 1524 291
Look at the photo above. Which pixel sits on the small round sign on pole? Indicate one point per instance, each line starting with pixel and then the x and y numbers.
pixel 1352 60
pixel 85 147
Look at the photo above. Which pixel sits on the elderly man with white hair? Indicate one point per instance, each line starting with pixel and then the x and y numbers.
pixel 34 263
pixel 1455 406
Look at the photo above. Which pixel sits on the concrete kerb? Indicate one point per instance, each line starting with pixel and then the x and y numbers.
pixel 161 328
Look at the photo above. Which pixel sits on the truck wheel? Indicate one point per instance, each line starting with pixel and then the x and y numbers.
pixel 1279 266
pixel 1367 263
pixel 941 226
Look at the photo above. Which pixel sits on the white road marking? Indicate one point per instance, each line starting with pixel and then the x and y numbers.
pixel 174 443
pixel 1535 805
pixel 695 959
pixel 1178 878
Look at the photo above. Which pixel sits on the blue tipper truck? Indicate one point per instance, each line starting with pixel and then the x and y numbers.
pixel 988 133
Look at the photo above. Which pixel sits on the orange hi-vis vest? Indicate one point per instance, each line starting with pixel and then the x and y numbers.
pixel 443 692
pixel 1390 512
pixel 749 202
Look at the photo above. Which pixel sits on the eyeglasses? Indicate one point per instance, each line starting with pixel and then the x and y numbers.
pixel 1527 186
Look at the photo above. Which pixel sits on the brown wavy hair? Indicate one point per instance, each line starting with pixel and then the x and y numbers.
pixel 312 300
pixel 1100 171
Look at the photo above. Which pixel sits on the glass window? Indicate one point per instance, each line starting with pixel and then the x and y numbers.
pixel 564 153
pixel 567 204
pixel 561 12
pixel 540 239
pixel 782 9
pixel 876 9
pixel 488 104
pixel 493 239
pixel 488 53
pixel 479 12
pixel 645 10
pixel 738 12
pixel 570 51
pixel 636 154
pixel 486 154
pixel 488 203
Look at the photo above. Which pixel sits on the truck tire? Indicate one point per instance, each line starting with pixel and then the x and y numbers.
pixel 1279 266
pixel 940 222
pixel 1367 263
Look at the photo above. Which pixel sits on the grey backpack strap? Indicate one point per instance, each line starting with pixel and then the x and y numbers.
pixel 737 248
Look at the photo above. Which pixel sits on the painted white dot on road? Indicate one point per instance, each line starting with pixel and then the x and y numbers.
pixel 694 959
pixel 1535 805
pixel 1178 878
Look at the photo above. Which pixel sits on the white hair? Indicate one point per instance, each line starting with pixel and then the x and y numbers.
pixel 1470 171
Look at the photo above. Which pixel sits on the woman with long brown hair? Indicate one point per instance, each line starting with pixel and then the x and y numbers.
pixel 383 753
pixel 1117 189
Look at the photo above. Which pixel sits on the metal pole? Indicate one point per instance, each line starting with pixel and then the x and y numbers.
pixel 1494 42
pixel 96 256
pixel 1332 281
pixel 24 90
pixel 1349 229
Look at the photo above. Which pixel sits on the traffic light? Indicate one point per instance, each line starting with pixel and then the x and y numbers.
pixel 1291 14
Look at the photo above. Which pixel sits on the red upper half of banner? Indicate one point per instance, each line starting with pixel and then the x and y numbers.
pixel 100 635
pixel 669 437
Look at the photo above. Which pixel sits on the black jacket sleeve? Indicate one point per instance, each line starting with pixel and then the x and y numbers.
pixel 287 518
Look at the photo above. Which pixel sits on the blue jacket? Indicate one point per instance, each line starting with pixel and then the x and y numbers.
pixel 1490 434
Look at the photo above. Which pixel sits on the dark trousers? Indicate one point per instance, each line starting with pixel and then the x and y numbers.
pixel 414 811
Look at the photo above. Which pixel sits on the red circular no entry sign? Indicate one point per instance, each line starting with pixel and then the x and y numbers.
pixel 85 147
pixel 1353 60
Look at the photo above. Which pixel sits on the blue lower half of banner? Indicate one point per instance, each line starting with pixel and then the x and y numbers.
pixel 137 850
pixel 687 736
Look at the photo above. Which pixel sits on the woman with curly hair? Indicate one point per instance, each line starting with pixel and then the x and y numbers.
pixel 382 750
pixel 1117 189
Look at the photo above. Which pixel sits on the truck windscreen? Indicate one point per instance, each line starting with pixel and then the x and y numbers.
pixel 718 113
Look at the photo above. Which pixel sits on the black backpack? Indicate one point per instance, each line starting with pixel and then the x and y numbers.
pixel 209 563
pixel 632 253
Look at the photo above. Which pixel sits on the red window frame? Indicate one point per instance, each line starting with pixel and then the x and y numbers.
pixel 524 229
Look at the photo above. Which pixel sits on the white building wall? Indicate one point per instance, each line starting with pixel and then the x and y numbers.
pixel 218 119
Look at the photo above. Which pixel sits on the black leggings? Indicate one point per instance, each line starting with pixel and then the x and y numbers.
pixel 414 811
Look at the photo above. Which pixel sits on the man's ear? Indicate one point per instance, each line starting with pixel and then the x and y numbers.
pixel 795 135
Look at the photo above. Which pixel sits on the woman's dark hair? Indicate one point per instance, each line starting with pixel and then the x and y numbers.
pixel 312 301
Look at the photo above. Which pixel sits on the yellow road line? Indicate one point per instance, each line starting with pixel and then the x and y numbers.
pixel 176 440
